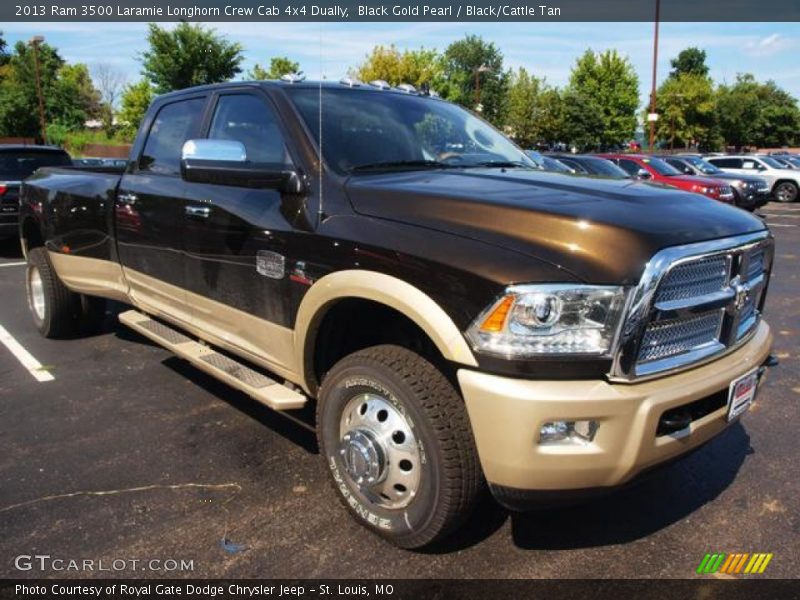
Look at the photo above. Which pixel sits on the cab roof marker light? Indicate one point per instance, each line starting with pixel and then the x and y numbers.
pixel 350 82
pixel 407 87
pixel 380 84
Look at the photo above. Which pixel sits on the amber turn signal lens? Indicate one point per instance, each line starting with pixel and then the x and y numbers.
pixel 497 318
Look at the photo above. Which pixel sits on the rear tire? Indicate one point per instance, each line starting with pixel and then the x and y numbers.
pixel 53 307
pixel 785 191
pixel 397 440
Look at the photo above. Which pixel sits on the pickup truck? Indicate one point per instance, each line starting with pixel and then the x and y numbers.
pixel 457 318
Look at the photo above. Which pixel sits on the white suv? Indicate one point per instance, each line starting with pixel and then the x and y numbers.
pixel 783 182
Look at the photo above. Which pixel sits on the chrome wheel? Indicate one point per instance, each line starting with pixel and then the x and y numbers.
pixel 380 451
pixel 36 300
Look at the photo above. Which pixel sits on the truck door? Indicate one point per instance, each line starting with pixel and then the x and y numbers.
pixel 237 240
pixel 149 211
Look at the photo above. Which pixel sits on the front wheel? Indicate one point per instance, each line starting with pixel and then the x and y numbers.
pixel 786 191
pixel 397 440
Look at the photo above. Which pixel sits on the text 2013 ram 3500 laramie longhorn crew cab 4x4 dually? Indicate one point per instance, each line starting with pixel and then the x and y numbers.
pixel 458 316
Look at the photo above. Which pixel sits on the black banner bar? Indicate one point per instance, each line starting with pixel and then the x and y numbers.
pixel 409 10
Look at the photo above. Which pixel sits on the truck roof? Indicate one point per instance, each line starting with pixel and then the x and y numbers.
pixel 279 83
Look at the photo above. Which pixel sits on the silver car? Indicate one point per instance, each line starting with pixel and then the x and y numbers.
pixel 784 182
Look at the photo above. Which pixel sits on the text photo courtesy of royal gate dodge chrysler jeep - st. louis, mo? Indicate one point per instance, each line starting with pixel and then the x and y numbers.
pixel 407 302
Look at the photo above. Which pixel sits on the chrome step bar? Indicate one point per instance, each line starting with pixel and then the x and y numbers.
pixel 253 383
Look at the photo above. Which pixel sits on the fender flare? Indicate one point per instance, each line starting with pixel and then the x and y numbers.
pixel 383 289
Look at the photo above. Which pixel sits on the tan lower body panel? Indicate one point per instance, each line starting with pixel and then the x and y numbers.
pixel 507 414
pixel 91 276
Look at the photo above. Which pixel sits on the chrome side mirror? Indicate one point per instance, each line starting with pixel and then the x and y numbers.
pixel 204 149
pixel 643 174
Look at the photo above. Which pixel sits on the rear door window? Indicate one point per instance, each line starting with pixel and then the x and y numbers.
pixel 174 124
pixel 726 163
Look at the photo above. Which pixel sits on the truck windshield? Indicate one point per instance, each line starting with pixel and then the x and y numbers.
pixel 18 165
pixel 365 130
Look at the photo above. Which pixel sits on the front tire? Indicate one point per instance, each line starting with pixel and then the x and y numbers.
pixel 785 191
pixel 397 440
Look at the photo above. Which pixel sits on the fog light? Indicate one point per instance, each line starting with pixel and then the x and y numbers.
pixel 567 432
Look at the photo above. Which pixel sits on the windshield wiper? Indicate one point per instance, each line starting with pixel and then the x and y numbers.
pixel 400 164
pixel 501 164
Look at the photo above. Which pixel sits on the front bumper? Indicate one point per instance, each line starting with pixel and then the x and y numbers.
pixel 506 416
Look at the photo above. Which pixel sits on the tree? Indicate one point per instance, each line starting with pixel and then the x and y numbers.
pixel 523 106
pixel 135 101
pixel 687 108
pixel 691 61
pixel 188 55
pixel 607 84
pixel 418 67
pixel 110 82
pixel 69 95
pixel 755 114
pixel 473 61
pixel 581 122
pixel 278 66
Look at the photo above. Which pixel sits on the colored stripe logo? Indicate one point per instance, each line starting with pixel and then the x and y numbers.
pixel 734 564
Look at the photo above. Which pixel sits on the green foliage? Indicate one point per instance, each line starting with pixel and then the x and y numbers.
pixel 136 99
pixel 69 95
pixel 417 67
pixel 688 110
pixel 607 85
pixel 278 66
pixel 462 61
pixel 755 114
pixel 524 108
pixel 691 61
pixel 188 55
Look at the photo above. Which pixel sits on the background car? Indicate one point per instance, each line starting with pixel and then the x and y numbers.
pixel 584 164
pixel 749 191
pixel 547 163
pixel 790 160
pixel 655 169
pixel 784 183
pixel 17 162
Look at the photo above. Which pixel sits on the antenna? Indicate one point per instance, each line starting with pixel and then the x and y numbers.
pixel 321 212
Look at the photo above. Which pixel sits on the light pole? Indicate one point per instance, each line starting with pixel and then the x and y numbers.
pixel 34 42
pixel 652 116
pixel 478 70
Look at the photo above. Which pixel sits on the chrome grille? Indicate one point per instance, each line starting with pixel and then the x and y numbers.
pixel 726 190
pixel 693 279
pixel 693 303
pixel 676 336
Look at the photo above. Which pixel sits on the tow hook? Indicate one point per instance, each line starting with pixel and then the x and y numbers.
pixel 770 361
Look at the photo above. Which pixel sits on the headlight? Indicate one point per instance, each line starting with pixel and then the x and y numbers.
pixel 531 320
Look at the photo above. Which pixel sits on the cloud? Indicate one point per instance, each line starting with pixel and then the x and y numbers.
pixel 768 46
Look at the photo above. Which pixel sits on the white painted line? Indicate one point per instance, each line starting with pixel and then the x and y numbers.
pixel 781 216
pixel 780 225
pixel 13 264
pixel 23 356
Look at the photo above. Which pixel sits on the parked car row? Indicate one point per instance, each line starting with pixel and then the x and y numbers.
pixel 747 180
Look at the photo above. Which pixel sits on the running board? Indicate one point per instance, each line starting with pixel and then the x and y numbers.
pixel 257 385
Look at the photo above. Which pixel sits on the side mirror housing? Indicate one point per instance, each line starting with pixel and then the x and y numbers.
pixel 224 162
pixel 643 174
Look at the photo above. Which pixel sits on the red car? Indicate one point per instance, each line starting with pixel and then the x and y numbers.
pixel 659 171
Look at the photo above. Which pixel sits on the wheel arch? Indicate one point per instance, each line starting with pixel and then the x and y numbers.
pixel 381 289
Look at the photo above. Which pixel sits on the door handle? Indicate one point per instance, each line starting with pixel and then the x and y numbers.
pixel 198 211
pixel 127 198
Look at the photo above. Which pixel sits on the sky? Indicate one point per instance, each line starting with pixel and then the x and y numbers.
pixel 768 50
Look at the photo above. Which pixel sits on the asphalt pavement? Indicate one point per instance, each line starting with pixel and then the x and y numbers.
pixel 125 453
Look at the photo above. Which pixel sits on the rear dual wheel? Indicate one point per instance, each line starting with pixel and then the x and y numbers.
pixel 397 441
pixel 58 312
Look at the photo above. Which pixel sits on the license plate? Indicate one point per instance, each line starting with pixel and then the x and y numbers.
pixel 741 394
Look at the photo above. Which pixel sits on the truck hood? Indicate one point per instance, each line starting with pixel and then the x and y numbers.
pixel 602 231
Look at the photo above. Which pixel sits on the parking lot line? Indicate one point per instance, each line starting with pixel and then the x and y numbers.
pixel 14 264
pixel 780 225
pixel 23 356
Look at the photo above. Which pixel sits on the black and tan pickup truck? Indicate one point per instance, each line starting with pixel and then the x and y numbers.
pixel 456 316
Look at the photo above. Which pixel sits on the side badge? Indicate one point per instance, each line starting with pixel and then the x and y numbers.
pixel 270 264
